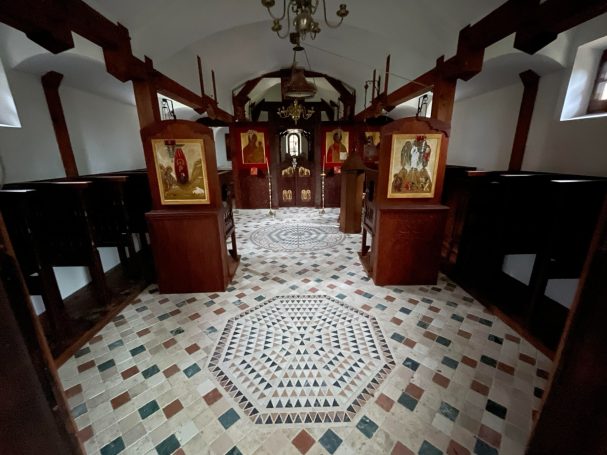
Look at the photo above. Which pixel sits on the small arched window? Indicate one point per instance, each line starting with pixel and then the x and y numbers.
pixel 294 144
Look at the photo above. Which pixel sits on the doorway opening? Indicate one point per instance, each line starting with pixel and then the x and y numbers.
pixel 296 172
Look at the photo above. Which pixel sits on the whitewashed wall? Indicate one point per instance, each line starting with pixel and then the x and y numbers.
pixel 482 128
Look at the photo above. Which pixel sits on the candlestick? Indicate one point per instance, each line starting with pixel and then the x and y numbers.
pixel 271 212
pixel 322 186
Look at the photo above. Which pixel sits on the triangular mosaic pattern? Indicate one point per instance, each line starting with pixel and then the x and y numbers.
pixel 308 358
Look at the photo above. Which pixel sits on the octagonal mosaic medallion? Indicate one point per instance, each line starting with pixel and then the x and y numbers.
pixel 297 237
pixel 301 359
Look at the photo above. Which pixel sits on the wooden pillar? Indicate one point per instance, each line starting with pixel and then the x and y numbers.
pixel 530 81
pixel 443 94
pixel 146 101
pixel 443 98
pixel 146 98
pixel 50 83
pixel 574 413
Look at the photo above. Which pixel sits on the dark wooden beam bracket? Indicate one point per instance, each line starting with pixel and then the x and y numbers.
pixel 531 82
pixel 50 83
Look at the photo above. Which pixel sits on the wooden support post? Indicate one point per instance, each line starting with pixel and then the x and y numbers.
pixel 443 95
pixel 385 94
pixel 50 83
pixel 214 86
pixel 574 411
pixel 531 82
pixel 373 89
pixel 146 98
pixel 146 101
pixel 200 76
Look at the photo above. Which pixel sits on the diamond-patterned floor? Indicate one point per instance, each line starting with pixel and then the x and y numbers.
pixel 166 375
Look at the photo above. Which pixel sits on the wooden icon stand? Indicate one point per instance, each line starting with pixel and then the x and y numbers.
pixel 188 229
pixel 406 230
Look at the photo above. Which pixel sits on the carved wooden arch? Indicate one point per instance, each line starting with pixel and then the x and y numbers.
pixel 240 99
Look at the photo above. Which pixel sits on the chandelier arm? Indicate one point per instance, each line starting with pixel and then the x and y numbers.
pixel 341 19
pixel 284 11
pixel 288 25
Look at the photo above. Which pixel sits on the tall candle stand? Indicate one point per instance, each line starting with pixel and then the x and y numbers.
pixel 271 212
pixel 322 187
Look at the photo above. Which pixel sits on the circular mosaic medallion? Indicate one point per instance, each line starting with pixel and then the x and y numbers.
pixel 297 237
pixel 301 359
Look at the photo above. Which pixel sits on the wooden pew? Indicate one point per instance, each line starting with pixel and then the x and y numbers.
pixel 35 417
pixel 138 202
pixel 109 215
pixel 118 203
pixel 19 209
pixel 568 221
pixel 67 235
pixel 455 196
pixel 549 216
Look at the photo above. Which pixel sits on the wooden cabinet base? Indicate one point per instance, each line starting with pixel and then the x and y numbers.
pixel 190 252
pixel 406 245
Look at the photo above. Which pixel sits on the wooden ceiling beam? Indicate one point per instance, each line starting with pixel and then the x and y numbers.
pixel 88 23
pixel 553 17
pixel 51 23
pixel 411 90
pixel 327 108
pixel 535 24
pixel 45 23
pixel 500 23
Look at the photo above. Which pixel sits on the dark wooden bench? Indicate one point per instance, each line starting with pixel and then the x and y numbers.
pixel 109 215
pixel 550 218
pixel 138 200
pixel 19 209
pixel 61 213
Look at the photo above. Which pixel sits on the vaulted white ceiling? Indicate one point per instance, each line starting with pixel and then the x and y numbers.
pixel 233 37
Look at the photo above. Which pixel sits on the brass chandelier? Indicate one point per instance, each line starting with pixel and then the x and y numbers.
pixel 295 111
pixel 303 22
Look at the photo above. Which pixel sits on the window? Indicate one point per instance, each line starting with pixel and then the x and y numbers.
pixel 294 147
pixel 8 110
pixel 598 98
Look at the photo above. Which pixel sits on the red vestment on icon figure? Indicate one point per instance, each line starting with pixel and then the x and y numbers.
pixel 181 167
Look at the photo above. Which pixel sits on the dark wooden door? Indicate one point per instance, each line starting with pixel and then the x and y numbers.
pixel 296 185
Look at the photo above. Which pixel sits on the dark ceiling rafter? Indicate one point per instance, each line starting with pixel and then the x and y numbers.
pixel 535 25
pixel 51 23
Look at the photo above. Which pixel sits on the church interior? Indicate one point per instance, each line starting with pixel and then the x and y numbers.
pixel 303 227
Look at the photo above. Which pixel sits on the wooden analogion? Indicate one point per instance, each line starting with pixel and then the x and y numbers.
pixel 189 224
pixel 403 214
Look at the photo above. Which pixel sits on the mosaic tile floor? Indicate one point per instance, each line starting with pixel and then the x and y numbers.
pixel 297 237
pixel 167 374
